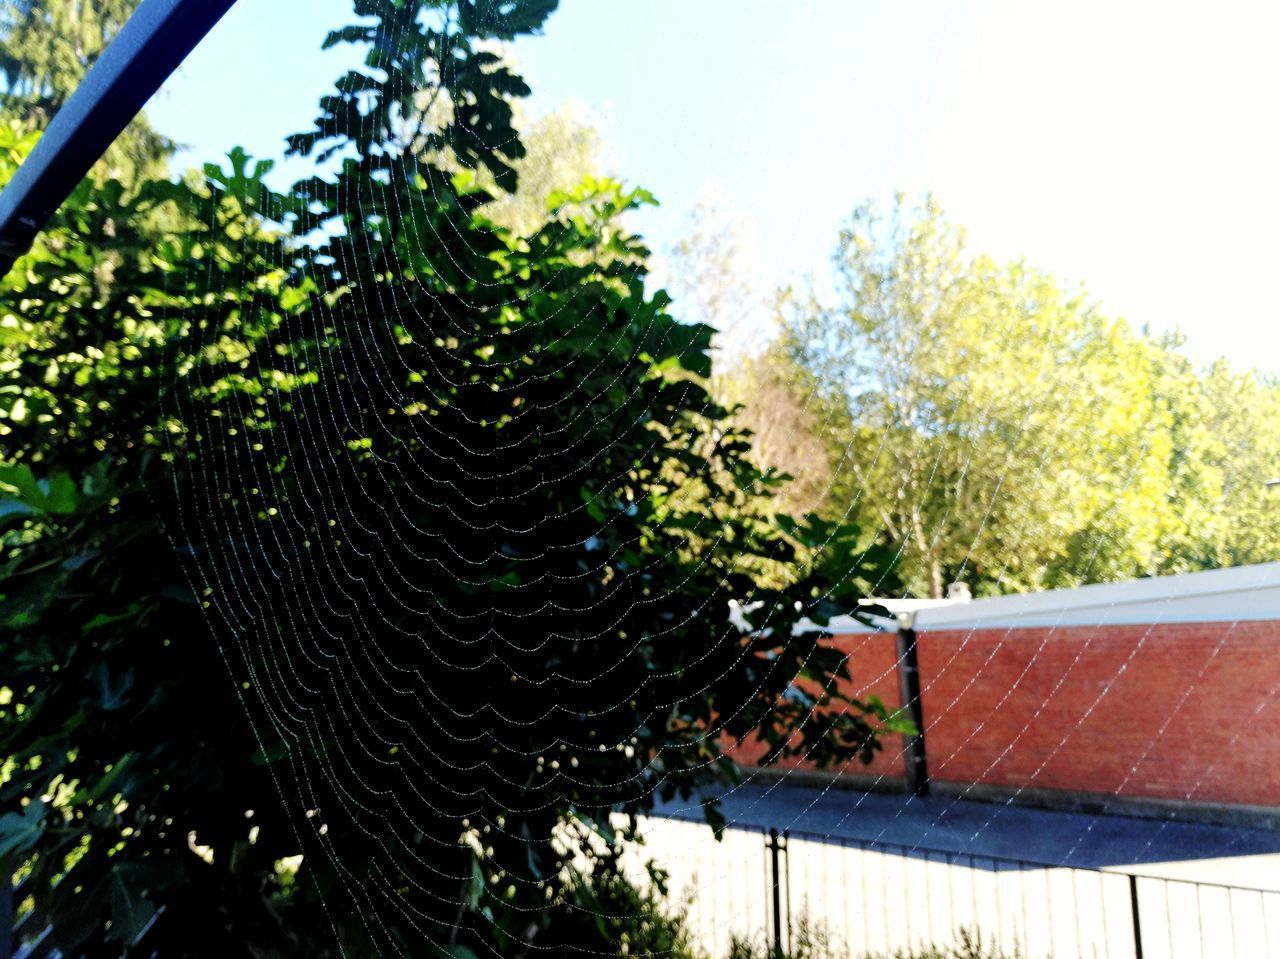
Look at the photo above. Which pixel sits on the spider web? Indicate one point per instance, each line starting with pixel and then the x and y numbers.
pixel 311 567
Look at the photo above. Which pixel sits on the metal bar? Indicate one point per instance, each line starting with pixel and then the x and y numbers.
pixel 774 846
pixel 909 682
pixel 786 872
pixel 768 874
pixel 875 615
pixel 148 48
pixel 1137 921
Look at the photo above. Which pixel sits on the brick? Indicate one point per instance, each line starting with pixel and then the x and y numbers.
pixel 1181 711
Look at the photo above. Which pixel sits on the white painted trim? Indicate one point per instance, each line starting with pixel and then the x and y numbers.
pixel 1242 593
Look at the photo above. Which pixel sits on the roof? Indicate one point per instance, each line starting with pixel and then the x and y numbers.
pixel 1235 594
pixel 1236 855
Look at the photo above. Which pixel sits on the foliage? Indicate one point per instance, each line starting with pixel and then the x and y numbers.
pixel 46 48
pixel 810 940
pixel 1001 430
pixel 422 478
pixel 616 916
pixel 791 426
pixel 714 270
pixel 562 149
pixel 969 945
pixel 122 735
pixel 807 939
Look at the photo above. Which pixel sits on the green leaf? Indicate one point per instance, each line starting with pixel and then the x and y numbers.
pixel 715 818
pixel 112 690
pixel 131 911
pixel 460 952
pixel 21 831
pixel 473 887
pixel 58 494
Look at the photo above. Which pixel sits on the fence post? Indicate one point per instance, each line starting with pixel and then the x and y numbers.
pixel 776 845
pixel 909 682
pixel 1137 921
pixel 786 877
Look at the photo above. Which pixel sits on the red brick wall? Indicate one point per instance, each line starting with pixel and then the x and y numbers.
pixel 873 662
pixel 1184 711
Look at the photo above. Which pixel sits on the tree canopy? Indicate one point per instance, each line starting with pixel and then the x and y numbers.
pixel 998 428
pixel 46 48
pixel 425 482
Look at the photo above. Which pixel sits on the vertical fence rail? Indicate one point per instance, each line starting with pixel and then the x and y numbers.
pixel 1136 915
pixel 775 845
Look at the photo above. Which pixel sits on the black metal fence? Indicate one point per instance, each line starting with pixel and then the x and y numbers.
pixel 864 897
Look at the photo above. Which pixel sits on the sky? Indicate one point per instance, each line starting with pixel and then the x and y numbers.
pixel 1130 147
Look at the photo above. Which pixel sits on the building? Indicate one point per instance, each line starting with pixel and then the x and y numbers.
pixel 1159 695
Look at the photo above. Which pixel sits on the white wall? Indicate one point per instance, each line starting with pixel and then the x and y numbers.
pixel 878 900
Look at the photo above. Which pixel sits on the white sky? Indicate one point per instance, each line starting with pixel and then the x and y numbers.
pixel 1132 146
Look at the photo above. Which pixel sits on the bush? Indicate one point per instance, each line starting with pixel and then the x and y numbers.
pixel 811 940
pixel 609 914
pixel 969 945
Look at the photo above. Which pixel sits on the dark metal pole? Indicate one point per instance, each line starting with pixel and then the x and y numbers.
pixel 874 615
pixel 909 683
pixel 148 48
pixel 786 872
pixel 1137 921
pixel 774 846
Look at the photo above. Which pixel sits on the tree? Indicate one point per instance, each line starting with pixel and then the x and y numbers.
pixel 422 475
pixel 130 728
pixel 559 150
pixel 1227 443
pixel 713 271
pixel 714 268
pixel 46 48
pixel 789 423
pixel 996 426
pixel 562 148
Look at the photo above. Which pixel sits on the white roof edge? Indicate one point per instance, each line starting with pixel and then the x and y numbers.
pixel 1237 593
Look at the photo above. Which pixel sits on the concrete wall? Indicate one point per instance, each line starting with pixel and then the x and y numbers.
pixel 1185 712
